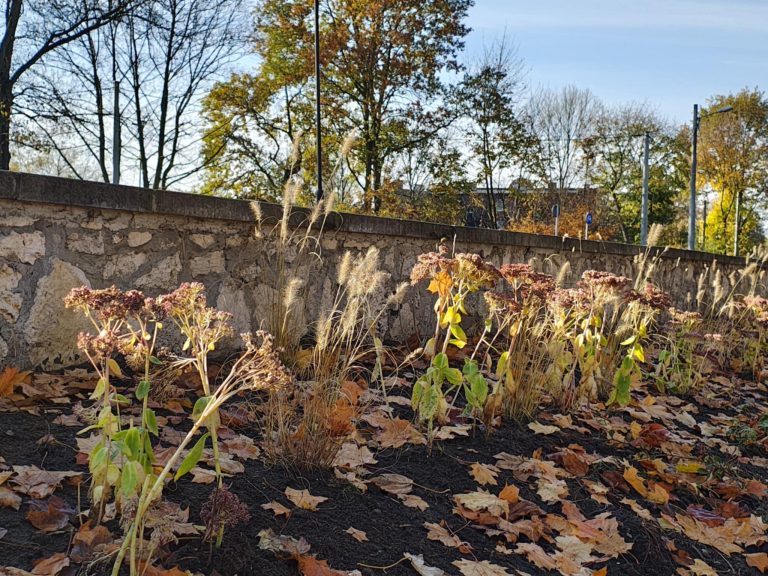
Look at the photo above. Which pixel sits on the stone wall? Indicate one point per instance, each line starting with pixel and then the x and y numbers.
pixel 56 234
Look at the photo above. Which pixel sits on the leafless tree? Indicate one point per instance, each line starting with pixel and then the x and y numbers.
pixel 164 55
pixel 563 120
pixel 34 29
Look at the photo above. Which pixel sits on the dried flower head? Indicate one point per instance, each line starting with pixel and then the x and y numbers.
pixel 428 265
pixel 606 281
pixel 222 510
pixel 477 273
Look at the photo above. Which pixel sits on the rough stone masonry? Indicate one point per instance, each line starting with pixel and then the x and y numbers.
pixel 56 234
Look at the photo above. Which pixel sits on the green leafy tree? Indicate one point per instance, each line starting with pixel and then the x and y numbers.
pixel 733 161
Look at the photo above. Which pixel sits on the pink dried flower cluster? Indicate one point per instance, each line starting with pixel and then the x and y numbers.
pixel 223 509
pixel 651 296
pixel 475 271
pixel 606 281
pixel 428 265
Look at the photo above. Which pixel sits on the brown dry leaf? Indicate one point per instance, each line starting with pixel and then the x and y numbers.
pixel 277 509
pixel 396 433
pixel 352 456
pixel 87 540
pixel 483 501
pixel 49 516
pixel 150 570
pixel 303 499
pixel 417 561
pixel 536 555
pixel 9 498
pixel 698 568
pixel 480 568
pixel 282 545
pixel 637 509
pixel 311 566
pixel 39 484
pixel 393 483
pixel 552 489
pixel 10 378
pixel 51 566
pixel 485 474
pixel 440 533
pixel 413 501
pixel 202 475
pixel 358 535
pixel 450 432
pixel 11 571
pixel 758 560
pixel 241 446
pixel 539 428
pixel 510 493
pixel 721 537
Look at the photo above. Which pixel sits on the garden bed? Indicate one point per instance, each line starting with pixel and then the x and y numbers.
pixel 696 506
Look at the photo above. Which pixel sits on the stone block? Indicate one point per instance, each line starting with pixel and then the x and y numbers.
pixel 10 301
pixel 204 241
pixel 212 263
pixel 86 243
pixel 124 266
pixel 26 247
pixel 51 330
pixel 138 238
pixel 164 275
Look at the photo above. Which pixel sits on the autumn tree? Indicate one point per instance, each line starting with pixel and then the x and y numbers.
pixel 32 30
pixel 382 62
pixel 733 161
pixel 488 98
pixel 617 151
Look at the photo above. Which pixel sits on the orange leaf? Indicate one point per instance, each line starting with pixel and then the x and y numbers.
pixel 441 284
pixel 10 377
pixel 310 566
pixel 758 560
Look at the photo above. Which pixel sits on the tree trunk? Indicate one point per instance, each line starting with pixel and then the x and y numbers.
pixel 12 16
pixel 6 105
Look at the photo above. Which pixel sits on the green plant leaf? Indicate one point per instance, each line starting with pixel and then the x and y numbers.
pixel 132 443
pixel 150 421
pixel 630 340
pixel 441 362
pixel 200 406
pixel 454 376
pixel 142 390
pixel 155 360
pixel 99 390
pixel 114 367
pixel 501 365
pixel 128 479
pixel 192 458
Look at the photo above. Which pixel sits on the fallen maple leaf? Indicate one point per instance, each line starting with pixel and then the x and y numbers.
pixel 10 378
pixel 51 566
pixel 397 432
pixel 9 498
pixel 277 509
pixel 539 428
pixel 37 483
pixel 282 545
pixel 758 560
pixel 358 535
pixel 417 561
pixel 87 540
pixel 480 568
pixel 413 501
pixel 303 499
pixel 352 456
pixel 49 516
pixel 311 566
pixel 484 474
pixel 393 483
pixel 151 570
pixel 440 533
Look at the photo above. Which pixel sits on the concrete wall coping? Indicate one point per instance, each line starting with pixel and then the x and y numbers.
pixel 34 188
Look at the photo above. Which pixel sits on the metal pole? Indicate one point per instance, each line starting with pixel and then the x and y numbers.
pixel 704 224
pixel 737 225
pixel 317 104
pixel 692 204
pixel 116 140
pixel 644 204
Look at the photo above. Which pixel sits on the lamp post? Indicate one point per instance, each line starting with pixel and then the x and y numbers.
pixel 697 118
pixel 318 127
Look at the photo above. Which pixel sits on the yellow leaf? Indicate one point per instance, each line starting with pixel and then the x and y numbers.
pixel 441 284
pixel 303 499
pixel 634 429
pixel 114 367
pixel 689 467
pixel 631 476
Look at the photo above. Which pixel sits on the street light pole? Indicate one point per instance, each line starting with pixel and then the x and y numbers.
pixel 318 127
pixel 692 200
pixel 644 204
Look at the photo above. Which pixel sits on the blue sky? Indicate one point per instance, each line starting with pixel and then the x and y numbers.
pixel 669 53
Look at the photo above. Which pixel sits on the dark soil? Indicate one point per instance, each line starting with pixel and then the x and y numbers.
pixel 391 528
